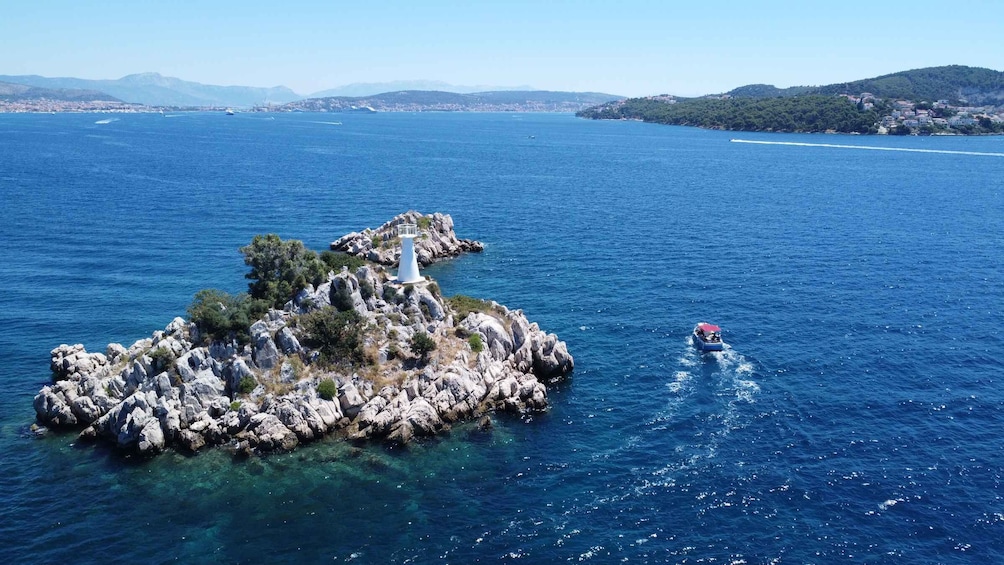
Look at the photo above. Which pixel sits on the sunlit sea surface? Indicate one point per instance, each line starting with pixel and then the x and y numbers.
pixel 857 414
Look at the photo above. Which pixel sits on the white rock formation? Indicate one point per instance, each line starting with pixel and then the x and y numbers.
pixel 172 391
pixel 436 240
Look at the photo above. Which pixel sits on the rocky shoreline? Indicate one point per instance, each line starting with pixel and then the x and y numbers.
pixel 436 240
pixel 175 390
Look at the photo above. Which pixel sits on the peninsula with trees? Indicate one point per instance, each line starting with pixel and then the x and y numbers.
pixel 320 344
pixel 938 100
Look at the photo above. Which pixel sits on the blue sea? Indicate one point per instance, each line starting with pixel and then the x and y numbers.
pixel 856 416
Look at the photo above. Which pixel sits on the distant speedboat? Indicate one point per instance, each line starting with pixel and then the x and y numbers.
pixel 230 111
pixel 707 337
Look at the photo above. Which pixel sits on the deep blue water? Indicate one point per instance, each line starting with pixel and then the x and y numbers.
pixel 858 415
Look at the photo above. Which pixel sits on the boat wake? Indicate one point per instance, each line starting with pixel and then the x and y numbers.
pixel 107 121
pixel 710 395
pixel 672 452
pixel 868 147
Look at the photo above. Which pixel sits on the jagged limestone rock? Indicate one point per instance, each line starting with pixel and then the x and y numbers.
pixel 168 391
pixel 436 240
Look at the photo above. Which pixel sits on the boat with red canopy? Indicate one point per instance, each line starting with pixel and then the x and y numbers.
pixel 708 337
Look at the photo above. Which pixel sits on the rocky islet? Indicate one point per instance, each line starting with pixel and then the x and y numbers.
pixel 173 391
pixel 436 240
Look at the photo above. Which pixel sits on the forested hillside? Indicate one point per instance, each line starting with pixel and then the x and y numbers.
pixel 797 113
pixel 919 100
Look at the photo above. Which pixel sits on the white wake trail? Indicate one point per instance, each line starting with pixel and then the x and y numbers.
pixel 868 147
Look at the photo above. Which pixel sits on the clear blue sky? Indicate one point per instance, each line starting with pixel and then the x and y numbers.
pixel 629 47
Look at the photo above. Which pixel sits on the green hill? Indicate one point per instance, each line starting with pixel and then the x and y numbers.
pixel 767 91
pixel 763 107
pixel 810 113
pixel 955 83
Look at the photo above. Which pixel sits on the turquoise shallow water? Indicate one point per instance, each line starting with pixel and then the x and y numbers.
pixel 856 416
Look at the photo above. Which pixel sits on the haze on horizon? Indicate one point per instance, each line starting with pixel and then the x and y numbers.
pixel 632 48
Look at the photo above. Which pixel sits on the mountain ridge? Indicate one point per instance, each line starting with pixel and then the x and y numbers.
pixel 357 89
pixel 432 100
pixel 12 92
pixel 154 89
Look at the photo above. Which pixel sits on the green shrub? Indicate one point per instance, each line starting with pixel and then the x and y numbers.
pixel 341 297
pixel 477 346
pixel 235 405
pixel 422 345
pixel 462 306
pixel 327 389
pixel 280 269
pixel 338 336
pixel 424 222
pixel 376 240
pixel 366 289
pixel 335 261
pixel 221 316
pixel 163 359
pixel 390 294
pixel 247 384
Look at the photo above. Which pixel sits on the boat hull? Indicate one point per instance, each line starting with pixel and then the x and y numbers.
pixel 702 345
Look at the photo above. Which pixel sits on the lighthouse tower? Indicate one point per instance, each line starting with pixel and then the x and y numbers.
pixel 407 271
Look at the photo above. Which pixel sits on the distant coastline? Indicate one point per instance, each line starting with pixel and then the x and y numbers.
pixel 150 92
pixel 410 101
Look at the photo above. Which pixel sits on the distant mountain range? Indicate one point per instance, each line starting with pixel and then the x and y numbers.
pixel 954 83
pixel 372 88
pixel 17 92
pixel 426 101
pixel 153 89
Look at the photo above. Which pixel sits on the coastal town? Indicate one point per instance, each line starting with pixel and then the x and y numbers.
pixel 46 106
pixel 925 118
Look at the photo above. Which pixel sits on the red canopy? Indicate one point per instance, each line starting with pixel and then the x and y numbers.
pixel 705 327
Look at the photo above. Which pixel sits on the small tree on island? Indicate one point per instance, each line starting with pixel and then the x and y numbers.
pixel 280 269
pixel 221 316
pixel 422 345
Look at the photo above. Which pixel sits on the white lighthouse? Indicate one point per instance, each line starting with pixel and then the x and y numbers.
pixel 407 271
